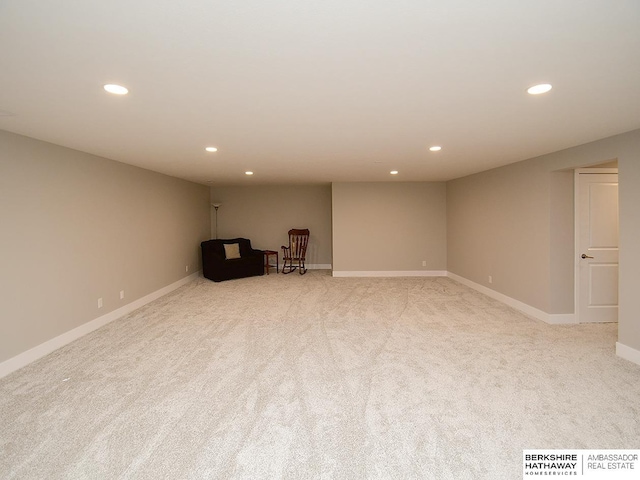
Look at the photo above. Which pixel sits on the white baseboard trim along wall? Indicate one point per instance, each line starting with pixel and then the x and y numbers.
pixel 554 319
pixel 622 350
pixel 389 273
pixel 25 358
pixel 628 353
pixel 318 266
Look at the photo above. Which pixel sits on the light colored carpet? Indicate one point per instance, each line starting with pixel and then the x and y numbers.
pixel 296 377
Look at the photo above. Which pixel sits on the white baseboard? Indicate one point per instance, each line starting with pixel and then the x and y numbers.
pixel 390 273
pixel 319 266
pixel 553 319
pixel 628 353
pixel 25 358
pixel 512 302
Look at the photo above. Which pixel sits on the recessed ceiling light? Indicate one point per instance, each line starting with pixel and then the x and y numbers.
pixel 393 172
pixel 211 149
pixel 538 89
pixel 116 89
pixel 248 173
pixel 435 148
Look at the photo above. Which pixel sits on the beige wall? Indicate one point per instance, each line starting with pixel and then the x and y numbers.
pixel 498 225
pixel 76 227
pixel 264 214
pixel 510 223
pixel 389 226
pixel 629 290
pixel 562 243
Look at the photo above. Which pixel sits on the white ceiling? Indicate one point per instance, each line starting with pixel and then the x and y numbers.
pixel 319 91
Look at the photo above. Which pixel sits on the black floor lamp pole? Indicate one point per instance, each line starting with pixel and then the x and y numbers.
pixel 216 206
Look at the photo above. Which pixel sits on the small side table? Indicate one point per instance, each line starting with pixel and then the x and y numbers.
pixel 267 265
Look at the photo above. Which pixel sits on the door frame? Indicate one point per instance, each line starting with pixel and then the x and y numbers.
pixel 576 231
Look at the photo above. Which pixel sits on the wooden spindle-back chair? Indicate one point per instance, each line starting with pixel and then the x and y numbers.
pixel 293 256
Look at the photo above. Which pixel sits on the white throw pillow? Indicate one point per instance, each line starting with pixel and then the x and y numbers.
pixel 231 250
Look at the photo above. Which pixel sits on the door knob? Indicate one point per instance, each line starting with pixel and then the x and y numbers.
pixel 584 255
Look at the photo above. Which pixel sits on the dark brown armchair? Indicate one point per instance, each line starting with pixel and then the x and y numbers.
pixel 218 266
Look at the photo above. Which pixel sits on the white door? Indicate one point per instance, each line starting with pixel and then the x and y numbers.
pixel 597 242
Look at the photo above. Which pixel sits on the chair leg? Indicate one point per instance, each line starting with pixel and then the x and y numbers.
pixel 288 265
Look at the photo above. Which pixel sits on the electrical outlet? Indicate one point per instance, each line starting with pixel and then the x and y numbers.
pixel 121 294
pixel 490 279
pixel 186 268
pixel 100 302
pixel 424 263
